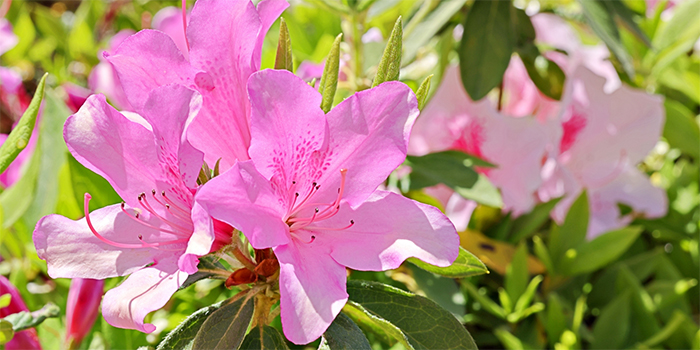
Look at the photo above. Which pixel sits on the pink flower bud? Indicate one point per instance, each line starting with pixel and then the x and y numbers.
pixel 84 299
pixel 26 339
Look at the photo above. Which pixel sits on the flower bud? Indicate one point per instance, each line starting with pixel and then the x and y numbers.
pixel 83 303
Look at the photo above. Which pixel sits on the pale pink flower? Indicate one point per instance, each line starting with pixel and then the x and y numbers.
pixel 83 304
pixel 603 137
pixel 452 121
pixel 310 192
pixel 26 339
pixel 8 39
pixel 225 40
pixel 151 165
pixel 104 80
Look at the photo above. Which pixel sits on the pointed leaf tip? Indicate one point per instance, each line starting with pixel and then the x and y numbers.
pixel 329 80
pixel 283 60
pixel 390 63
pixel 422 92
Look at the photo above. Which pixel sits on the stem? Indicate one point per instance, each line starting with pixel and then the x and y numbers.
pixel 243 258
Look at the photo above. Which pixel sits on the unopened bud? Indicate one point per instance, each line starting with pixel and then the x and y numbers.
pixel 83 303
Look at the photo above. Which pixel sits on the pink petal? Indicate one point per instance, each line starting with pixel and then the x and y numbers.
pixel 8 39
pixel 244 199
pixel 118 149
pixel 149 59
pixel 226 62
pixel 387 230
pixel 368 136
pixel 169 109
pixel 200 242
pixel 103 79
pixel 23 340
pixel 72 250
pixel 312 290
pixel 169 21
pixel 287 125
pixel 145 290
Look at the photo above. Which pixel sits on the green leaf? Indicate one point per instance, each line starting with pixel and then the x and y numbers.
pixel 681 130
pixel 425 324
pixel 264 338
pixel 6 332
pixel 225 327
pixel 602 21
pixel 343 334
pixel 601 251
pixel 486 302
pixel 465 265
pixel 442 290
pixel 556 320
pixel 526 225
pixel 546 74
pixel 182 337
pixel 426 30
pixel 18 139
pixel 573 231
pixel 626 17
pixel 381 328
pixel 5 300
pixel 390 63
pixel 542 253
pixel 24 320
pixel 487 44
pixel 529 293
pixel 329 79
pixel 422 92
pixel 208 267
pixel 516 277
pixel 678 35
pixel 454 169
pixel 508 340
pixel 612 326
pixel 283 60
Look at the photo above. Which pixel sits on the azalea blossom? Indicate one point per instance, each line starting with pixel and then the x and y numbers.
pixel 310 192
pixel 151 165
pixel 104 80
pixel 604 136
pixel 451 120
pixel 225 40
pixel 23 340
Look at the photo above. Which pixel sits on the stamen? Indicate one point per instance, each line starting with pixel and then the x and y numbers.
pixel 147 206
pixel 175 205
pixel 184 22
pixel 315 228
pixel 136 218
pixel 86 209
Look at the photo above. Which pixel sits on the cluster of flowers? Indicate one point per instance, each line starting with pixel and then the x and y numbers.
pixel 591 140
pixel 293 179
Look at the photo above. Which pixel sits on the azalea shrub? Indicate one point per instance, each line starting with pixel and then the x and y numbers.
pixel 349 174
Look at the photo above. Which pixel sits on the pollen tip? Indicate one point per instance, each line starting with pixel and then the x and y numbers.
pixel 352 222
pixel 123 204
pixel 296 194
pixel 153 192
pixel 167 206
pixel 343 171
pixel 140 238
pixel 316 209
pixel 163 193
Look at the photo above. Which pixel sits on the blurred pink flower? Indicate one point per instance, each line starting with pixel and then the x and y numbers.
pixel 153 168
pixel 310 192
pixel 24 340
pixel 104 80
pixel 225 39
pixel 603 137
pixel 8 39
pixel 83 303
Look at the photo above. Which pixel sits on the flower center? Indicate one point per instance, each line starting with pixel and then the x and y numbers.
pixel 179 222
pixel 321 211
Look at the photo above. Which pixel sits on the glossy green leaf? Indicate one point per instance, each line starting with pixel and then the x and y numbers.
pixel 612 326
pixel 428 28
pixel 209 267
pixel 601 251
pixel 528 295
pixel 6 332
pixel 454 169
pixel 556 320
pixel 517 277
pixel 344 334
pixel 25 319
pixel 677 36
pixel 382 329
pixel 465 265
pixel 329 79
pixel 442 290
pixel 681 130
pixel 182 337
pixel 425 324
pixel 422 92
pixel 487 44
pixel 225 327
pixel 18 139
pixel 602 21
pixel 390 63
pixel 283 60
pixel 264 338
pixel 546 74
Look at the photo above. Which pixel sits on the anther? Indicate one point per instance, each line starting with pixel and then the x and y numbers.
pixel 153 192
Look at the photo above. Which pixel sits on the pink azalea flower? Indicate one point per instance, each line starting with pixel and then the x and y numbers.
pixel 8 39
pixel 24 340
pixel 169 21
pixel 225 40
pixel 451 120
pixel 604 137
pixel 84 298
pixel 310 192
pixel 152 166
